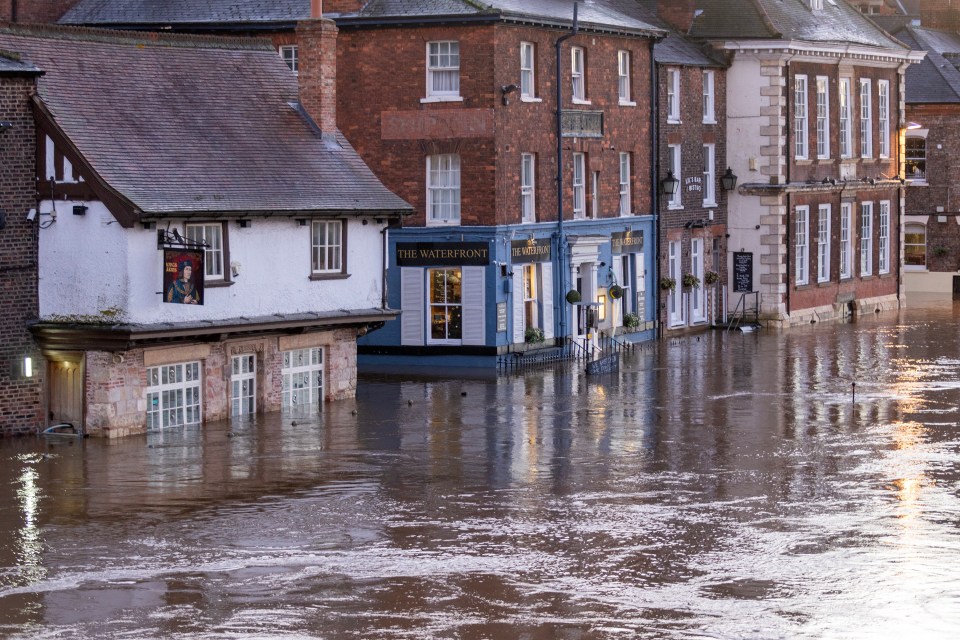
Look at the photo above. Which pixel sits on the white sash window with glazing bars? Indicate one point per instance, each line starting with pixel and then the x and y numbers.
pixel 302 377
pixel 443 69
pixel 173 395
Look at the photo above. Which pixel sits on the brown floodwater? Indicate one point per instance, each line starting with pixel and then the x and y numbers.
pixel 726 486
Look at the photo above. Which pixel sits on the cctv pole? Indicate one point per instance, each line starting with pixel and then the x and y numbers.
pixel 561 238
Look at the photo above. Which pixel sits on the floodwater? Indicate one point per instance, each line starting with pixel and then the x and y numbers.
pixel 727 486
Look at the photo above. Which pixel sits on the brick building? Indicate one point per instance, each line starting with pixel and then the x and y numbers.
pixel 209 244
pixel 932 223
pixel 814 108
pixel 21 375
pixel 33 11
pixel 692 143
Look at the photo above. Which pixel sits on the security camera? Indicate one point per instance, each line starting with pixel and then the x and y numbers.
pixel 31 215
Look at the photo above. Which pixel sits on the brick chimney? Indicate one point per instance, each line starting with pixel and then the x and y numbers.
pixel 677 13
pixel 940 14
pixel 317 64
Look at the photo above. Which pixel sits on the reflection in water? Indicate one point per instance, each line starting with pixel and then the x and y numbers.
pixel 725 486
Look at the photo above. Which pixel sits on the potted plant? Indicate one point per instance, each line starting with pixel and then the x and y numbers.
pixel 711 277
pixel 631 321
pixel 615 292
pixel 534 335
pixel 691 281
pixel 667 283
pixel 573 296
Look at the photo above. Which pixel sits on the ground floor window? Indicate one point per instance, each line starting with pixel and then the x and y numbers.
pixel 302 377
pixel 243 385
pixel 531 302
pixel 173 395
pixel 446 305
pixel 915 246
pixel 627 277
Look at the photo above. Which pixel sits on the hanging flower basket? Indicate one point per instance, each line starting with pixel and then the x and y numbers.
pixel 631 320
pixel 615 292
pixel 691 281
pixel 573 296
pixel 668 284
pixel 534 335
pixel 711 277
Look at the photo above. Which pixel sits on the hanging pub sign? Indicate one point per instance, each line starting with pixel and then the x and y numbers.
pixel 626 242
pixel 439 254
pixel 532 250
pixel 182 276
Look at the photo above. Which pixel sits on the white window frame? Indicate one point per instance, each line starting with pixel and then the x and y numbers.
pixel 443 189
pixel 594 194
pixel 674 152
pixel 801 245
pixel 816 5
pixel 910 156
pixel 326 247
pixel 626 200
pixel 908 228
pixel 436 56
pixel 698 295
pixel 174 394
pixel 673 96
pixel 846 240
pixel 675 298
pixel 579 186
pixel 578 75
pixel 883 238
pixel 291 55
pixel 866 239
pixel 528 57
pixel 866 119
pixel 801 132
pixel 303 377
pixel 709 97
pixel 823 117
pixel 709 175
pixel 883 117
pixel 529 280
pixel 243 401
pixel 214 255
pixel 846 117
pixel 624 85
pixel 528 187
pixel 444 304
pixel 824 211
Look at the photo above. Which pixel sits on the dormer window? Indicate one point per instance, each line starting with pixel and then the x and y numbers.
pixel 816 5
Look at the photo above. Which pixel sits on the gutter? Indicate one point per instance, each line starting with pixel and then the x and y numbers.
pixel 559 294
pixel 655 180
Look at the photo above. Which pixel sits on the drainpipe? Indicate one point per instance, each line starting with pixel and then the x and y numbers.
pixel 655 183
pixel 561 237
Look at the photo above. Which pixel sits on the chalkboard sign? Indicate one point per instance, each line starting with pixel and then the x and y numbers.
pixel 742 272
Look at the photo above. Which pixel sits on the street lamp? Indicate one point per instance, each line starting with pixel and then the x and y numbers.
pixel 728 180
pixel 669 185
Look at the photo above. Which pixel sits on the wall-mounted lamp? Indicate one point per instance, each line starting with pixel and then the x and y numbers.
pixel 79 209
pixel 28 367
pixel 300 221
pixel 506 90
pixel 243 224
pixel 911 126
pixel 4 125
pixel 149 224
pixel 669 185
pixel 728 180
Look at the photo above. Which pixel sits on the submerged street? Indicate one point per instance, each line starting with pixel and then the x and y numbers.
pixel 800 484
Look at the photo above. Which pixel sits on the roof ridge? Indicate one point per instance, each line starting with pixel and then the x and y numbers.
pixel 141 38
pixel 765 17
pixel 943 67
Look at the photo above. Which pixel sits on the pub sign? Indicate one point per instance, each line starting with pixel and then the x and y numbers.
pixel 527 251
pixel 626 242
pixel 437 254
pixel 182 276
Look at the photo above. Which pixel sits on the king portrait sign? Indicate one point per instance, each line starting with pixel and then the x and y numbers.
pixel 182 276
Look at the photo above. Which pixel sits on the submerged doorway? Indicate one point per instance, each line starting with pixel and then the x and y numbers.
pixel 65 390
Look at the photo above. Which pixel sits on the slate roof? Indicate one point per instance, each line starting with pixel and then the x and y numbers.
pixel 936 79
pixel 837 23
pixel 184 124
pixel 10 65
pixel 598 14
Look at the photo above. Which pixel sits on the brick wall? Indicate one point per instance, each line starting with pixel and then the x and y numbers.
pixel 940 14
pixel 20 398
pixel 382 79
pixel 34 11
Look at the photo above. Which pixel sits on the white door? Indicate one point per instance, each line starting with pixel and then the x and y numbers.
pixel 243 383
pixel 698 301
pixel 675 299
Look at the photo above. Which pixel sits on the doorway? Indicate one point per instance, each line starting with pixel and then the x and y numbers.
pixel 65 390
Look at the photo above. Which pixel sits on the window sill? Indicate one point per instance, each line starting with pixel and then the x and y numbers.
pixel 673 121
pixel 530 99
pixel 674 207
pixel 443 223
pixel 627 103
pixel 915 269
pixel 820 158
pixel 709 122
pixel 803 161
pixel 579 101
pixel 917 183
pixel 868 160
pixel 217 284
pixel 329 276
pixel 430 99
pixel 710 205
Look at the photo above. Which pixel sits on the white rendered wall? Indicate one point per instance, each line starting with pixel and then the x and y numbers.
pixel 87 266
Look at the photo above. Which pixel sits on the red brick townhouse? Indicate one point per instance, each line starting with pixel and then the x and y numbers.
pixel 209 245
pixel 692 143
pixel 815 109
pixel 454 105
pixel 21 375
pixel 932 221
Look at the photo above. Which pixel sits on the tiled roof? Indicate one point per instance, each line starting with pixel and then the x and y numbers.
pixel 183 124
pixel 10 65
pixel 130 12
pixel 936 79
pixel 838 22
pixel 597 13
